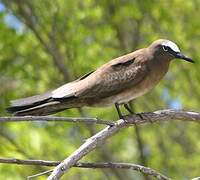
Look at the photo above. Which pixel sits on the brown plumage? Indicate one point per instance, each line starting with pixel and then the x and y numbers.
pixel 116 82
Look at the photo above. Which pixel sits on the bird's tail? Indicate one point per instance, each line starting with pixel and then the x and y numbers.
pixel 40 105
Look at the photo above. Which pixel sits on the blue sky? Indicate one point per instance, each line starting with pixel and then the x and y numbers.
pixel 11 20
pixel 173 103
pixel 2 7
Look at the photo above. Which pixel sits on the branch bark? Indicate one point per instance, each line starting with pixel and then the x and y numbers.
pixel 53 118
pixel 145 170
pixel 100 137
pixel 105 153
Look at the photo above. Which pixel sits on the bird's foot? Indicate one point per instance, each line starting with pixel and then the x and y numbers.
pixel 140 115
pixel 125 120
pixel 144 117
pixel 123 117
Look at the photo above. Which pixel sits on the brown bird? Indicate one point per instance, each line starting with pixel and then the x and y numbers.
pixel 116 82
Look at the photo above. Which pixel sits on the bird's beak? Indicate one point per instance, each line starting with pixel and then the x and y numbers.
pixel 182 56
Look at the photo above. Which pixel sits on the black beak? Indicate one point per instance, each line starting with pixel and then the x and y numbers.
pixel 182 56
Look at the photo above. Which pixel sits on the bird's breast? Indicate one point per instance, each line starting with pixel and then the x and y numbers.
pixel 152 78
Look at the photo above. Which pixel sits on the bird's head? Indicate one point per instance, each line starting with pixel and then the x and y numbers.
pixel 168 49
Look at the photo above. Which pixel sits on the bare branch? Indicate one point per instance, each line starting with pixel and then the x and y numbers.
pixel 28 162
pixel 105 153
pixel 39 174
pixel 163 115
pixel 147 117
pixel 100 137
pixel 53 118
pixel 145 170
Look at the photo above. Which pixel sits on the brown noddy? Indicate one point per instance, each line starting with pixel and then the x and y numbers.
pixel 116 82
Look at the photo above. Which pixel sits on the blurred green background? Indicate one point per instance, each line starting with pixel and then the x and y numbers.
pixel 46 43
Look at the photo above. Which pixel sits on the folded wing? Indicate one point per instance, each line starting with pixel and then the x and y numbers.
pixel 112 78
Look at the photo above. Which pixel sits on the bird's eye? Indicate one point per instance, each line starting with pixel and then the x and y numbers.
pixel 165 48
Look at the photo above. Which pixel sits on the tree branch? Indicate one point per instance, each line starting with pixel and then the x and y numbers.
pixel 105 153
pixel 53 118
pixel 39 174
pixel 145 170
pixel 112 165
pixel 100 137
pixel 28 162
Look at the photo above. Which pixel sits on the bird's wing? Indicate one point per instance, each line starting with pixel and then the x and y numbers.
pixel 114 77
pixel 69 90
pixel 85 75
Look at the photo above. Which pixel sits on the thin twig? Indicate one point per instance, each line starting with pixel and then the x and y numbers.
pixel 28 162
pixel 53 118
pixel 145 170
pixel 100 137
pixel 39 174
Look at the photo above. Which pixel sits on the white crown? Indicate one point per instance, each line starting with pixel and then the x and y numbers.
pixel 172 45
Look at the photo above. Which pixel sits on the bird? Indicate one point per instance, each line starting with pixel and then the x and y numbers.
pixel 115 83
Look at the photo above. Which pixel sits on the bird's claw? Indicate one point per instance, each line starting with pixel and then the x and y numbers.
pixel 143 117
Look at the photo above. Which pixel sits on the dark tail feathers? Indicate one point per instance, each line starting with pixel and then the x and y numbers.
pixel 24 105
pixel 41 105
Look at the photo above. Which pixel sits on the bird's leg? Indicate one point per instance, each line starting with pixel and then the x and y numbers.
pixel 140 115
pixel 128 108
pixel 118 111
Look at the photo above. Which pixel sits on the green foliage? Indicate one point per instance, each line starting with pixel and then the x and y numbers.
pixel 82 35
